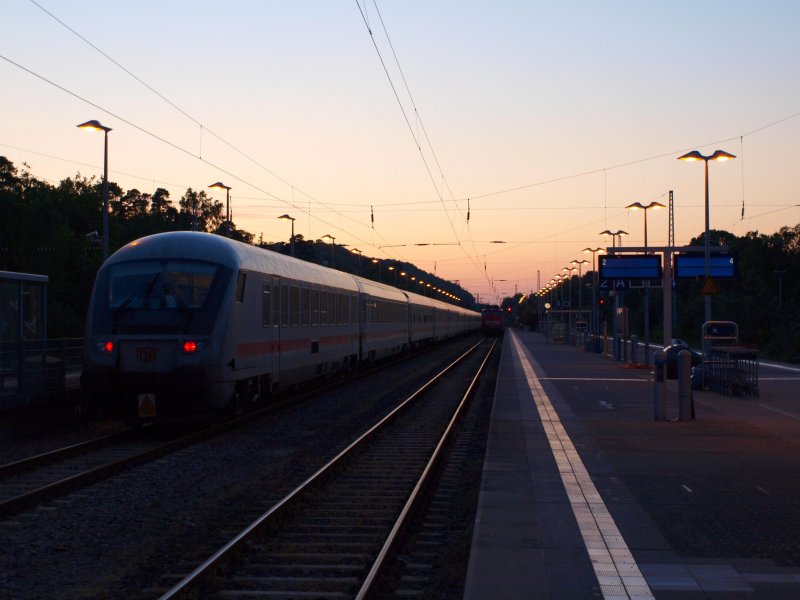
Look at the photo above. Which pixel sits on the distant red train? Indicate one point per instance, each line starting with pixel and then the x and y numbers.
pixel 492 320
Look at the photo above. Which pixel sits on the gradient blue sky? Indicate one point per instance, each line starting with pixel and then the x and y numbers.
pixel 512 95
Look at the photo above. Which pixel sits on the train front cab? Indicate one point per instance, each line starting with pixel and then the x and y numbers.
pixel 152 330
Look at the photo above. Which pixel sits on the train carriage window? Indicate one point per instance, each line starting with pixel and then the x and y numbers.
pixel 294 306
pixel 348 300
pixel 305 311
pixel 338 309
pixel 265 305
pixel 240 286
pixel 323 308
pixel 315 307
pixel 284 305
pixel 276 306
pixel 331 308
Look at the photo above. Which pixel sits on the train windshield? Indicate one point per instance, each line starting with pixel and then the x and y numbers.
pixel 165 296
pixel 157 285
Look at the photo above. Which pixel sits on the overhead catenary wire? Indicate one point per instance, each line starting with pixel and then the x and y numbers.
pixel 442 200
pixel 414 136
pixel 202 126
pixel 176 146
pixel 425 133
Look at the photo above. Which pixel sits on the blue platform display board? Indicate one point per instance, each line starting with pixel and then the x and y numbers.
pixel 690 266
pixel 631 266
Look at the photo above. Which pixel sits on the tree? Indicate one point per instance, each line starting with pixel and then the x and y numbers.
pixel 199 212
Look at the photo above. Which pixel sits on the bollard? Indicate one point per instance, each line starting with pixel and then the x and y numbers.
pixel 685 399
pixel 659 386
pixel 624 344
pixel 617 348
pixel 635 349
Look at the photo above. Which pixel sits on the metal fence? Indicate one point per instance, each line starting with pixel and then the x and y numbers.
pixel 31 371
pixel 732 370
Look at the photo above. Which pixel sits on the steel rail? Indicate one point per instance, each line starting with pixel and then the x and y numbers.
pixel 26 464
pixel 421 485
pixel 207 570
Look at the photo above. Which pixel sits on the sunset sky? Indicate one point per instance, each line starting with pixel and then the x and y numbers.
pixel 541 121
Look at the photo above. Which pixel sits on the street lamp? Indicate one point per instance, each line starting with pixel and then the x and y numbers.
pixel 95 125
pixel 640 206
pixel 569 273
pixel 375 261
pixel 359 259
pixel 693 156
pixel 392 268
pixel 580 264
pixel 333 243
pixel 595 320
pixel 221 186
pixel 288 218
pixel 614 235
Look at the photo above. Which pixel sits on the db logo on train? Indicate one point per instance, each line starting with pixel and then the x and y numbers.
pixel 146 354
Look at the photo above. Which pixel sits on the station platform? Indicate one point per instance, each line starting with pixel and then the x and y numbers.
pixel 585 495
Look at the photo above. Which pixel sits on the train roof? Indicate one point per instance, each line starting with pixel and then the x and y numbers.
pixel 195 245
pixel 230 253
pixel 375 288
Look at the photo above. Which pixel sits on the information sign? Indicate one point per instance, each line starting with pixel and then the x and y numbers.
pixel 630 266
pixel 689 266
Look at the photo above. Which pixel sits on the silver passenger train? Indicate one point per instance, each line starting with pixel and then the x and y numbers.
pixel 181 324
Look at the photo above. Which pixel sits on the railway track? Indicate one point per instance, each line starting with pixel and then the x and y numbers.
pixel 29 482
pixel 332 535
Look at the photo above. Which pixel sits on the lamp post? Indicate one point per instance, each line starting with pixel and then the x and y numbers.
pixel 404 274
pixel 376 261
pixel 580 264
pixel 569 274
pixel 221 186
pixel 333 243
pixel 359 259
pixel 640 206
pixel 394 270
pixel 291 239
pixel 614 235
pixel 693 156
pixel 595 320
pixel 95 125
pixel 617 295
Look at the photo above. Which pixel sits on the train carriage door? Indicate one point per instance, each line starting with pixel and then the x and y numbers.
pixel 242 323
pixel 275 350
pixel 362 324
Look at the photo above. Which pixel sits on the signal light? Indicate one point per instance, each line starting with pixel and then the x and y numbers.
pixel 106 346
pixel 189 347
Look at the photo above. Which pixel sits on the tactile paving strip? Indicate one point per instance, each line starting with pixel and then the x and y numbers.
pixel 616 570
